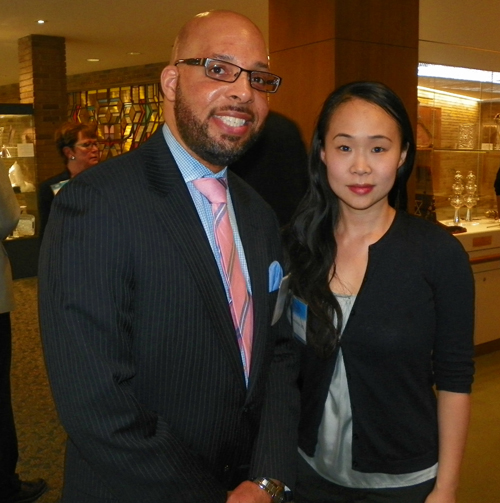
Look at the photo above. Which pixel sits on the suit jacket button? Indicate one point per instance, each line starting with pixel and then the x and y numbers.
pixel 226 468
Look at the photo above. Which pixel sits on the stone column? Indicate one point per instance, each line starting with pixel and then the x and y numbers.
pixel 42 83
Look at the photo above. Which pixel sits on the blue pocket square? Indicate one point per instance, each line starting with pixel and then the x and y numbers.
pixel 275 276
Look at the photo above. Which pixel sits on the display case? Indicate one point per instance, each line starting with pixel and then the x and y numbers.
pixel 458 143
pixel 17 155
pixel 458 130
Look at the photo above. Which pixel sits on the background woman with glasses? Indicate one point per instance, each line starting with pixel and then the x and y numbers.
pixel 77 144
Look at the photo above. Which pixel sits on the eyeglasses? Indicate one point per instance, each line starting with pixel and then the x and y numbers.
pixel 88 145
pixel 227 72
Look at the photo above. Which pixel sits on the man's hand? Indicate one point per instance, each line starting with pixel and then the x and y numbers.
pixel 248 492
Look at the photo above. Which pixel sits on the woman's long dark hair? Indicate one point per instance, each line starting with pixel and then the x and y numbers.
pixel 310 239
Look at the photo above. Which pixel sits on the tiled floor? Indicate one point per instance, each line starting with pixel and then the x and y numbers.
pixel 41 437
pixel 480 481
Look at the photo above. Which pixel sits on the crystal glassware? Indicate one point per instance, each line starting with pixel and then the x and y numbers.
pixel 470 201
pixel 457 201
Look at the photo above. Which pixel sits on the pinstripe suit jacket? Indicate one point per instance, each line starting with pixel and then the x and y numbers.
pixel 140 346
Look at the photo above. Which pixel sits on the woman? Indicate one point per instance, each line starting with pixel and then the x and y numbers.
pixel 390 316
pixel 77 145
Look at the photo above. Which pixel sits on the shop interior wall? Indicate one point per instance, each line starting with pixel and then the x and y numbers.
pixel 450 140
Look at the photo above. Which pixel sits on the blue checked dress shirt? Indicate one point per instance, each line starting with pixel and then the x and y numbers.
pixel 191 170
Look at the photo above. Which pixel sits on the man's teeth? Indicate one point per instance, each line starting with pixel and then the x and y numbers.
pixel 231 121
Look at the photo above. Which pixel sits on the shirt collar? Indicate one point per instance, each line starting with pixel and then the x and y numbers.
pixel 190 168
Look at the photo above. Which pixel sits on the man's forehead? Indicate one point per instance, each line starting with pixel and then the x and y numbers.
pixel 225 50
pixel 227 38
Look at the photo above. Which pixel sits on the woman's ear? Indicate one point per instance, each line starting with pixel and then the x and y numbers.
pixel 402 158
pixel 68 152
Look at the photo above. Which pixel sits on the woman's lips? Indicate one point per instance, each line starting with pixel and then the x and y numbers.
pixel 361 190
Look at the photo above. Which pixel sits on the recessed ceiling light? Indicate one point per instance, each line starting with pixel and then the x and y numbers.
pixel 93 60
pixel 41 21
pixel 134 53
pixel 457 73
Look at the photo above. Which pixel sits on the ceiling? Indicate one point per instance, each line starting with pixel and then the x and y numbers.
pixel 107 31
pixel 452 32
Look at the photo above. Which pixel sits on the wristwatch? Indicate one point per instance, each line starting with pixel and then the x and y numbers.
pixel 276 491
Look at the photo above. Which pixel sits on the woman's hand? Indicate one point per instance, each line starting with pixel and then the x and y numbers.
pixel 441 496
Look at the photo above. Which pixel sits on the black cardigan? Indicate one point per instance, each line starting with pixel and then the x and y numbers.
pixel 411 328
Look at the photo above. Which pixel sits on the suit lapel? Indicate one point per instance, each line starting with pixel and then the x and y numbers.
pixel 177 213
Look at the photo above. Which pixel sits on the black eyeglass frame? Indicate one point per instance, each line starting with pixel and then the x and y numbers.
pixel 206 61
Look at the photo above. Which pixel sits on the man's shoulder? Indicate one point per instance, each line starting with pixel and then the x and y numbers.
pixel 128 168
pixel 55 179
pixel 241 190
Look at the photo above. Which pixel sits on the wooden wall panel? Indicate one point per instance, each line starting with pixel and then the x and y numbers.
pixel 316 45
pixel 294 23
pixel 373 40
pixel 308 77
pixel 364 61
pixel 392 22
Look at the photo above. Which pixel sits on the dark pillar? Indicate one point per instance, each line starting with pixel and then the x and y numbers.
pixel 42 80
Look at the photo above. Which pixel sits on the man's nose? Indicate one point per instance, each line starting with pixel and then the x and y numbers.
pixel 241 88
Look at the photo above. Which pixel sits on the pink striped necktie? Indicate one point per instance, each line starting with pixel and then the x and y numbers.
pixel 240 302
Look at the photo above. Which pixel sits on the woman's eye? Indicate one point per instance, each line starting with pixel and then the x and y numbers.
pixel 378 149
pixel 344 148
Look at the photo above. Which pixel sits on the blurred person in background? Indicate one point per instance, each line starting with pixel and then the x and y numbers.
pixel 78 146
pixel 497 190
pixel 276 166
pixel 12 490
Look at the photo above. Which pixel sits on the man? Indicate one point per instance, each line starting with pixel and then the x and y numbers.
pixel 12 490
pixel 164 394
pixel 276 166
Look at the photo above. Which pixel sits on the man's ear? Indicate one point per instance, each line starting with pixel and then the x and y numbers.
pixel 169 77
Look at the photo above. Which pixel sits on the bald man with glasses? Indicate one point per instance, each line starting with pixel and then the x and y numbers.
pixel 173 373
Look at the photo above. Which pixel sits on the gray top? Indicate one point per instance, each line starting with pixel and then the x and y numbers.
pixel 9 216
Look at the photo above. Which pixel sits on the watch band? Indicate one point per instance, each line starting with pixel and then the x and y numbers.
pixel 276 491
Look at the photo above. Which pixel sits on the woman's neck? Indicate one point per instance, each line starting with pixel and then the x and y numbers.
pixel 367 226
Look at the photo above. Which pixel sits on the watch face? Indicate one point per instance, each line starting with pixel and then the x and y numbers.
pixel 274 490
